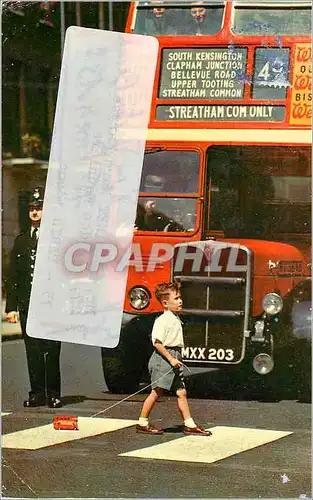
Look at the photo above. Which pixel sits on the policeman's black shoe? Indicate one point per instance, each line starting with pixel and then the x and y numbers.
pixel 34 401
pixel 54 403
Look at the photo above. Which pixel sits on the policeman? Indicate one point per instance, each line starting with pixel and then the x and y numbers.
pixel 43 356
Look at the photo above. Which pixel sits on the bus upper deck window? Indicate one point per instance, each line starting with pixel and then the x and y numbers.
pixel 201 20
pixel 155 21
pixel 269 20
pixel 172 19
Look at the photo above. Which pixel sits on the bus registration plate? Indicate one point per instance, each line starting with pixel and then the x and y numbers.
pixel 207 354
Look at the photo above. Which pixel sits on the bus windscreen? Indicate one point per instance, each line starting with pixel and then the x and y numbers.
pixel 173 173
pixel 259 192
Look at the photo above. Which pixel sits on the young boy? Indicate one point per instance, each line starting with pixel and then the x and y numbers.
pixel 165 365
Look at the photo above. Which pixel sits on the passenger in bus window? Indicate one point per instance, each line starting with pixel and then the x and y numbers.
pixel 197 24
pixel 158 22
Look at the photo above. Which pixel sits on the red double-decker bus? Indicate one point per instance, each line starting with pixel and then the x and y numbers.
pixel 227 173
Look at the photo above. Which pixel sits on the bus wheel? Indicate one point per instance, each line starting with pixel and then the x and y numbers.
pixel 251 385
pixel 267 389
pixel 119 377
pixel 303 371
pixel 305 393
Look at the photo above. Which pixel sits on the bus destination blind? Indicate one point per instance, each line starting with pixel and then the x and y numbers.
pixel 208 73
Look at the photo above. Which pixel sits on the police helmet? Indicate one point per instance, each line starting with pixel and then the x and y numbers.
pixel 36 197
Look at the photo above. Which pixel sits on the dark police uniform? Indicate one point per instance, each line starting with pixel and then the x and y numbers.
pixel 43 356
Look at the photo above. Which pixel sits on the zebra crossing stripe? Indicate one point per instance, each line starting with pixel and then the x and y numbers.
pixel 45 435
pixel 224 442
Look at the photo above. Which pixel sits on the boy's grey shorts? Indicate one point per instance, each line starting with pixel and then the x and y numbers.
pixel 158 368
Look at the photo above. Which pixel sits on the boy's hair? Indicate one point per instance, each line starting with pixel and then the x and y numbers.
pixel 162 290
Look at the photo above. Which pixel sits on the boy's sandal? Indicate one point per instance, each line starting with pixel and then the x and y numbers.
pixel 196 431
pixel 148 429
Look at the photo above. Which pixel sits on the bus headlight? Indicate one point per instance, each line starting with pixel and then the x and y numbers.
pixel 272 303
pixel 139 298
pixel 263 363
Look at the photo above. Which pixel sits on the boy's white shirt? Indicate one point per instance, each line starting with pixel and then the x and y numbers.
pixel 167 329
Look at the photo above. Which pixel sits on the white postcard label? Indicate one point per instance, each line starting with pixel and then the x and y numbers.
pixel 92 186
